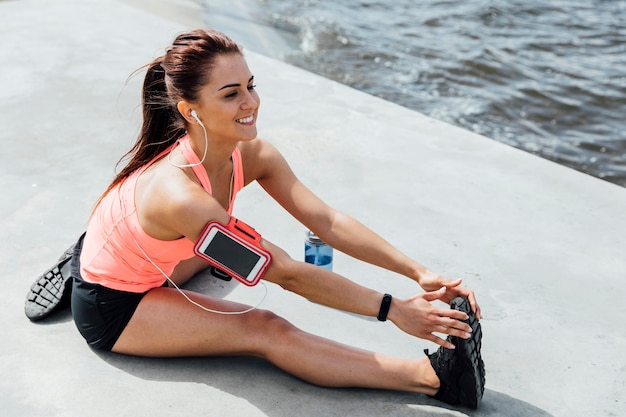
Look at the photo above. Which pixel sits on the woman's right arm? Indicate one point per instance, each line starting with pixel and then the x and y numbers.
pixel 416 315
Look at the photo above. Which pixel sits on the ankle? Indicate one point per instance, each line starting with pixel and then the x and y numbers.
pixel 428 381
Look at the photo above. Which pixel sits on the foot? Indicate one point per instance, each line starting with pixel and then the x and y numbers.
pixel 51 291
pixel 461 371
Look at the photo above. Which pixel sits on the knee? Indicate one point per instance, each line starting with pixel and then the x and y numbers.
pixel 273 324
pixel 270 330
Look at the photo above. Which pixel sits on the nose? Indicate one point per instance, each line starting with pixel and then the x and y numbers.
pixel 251 100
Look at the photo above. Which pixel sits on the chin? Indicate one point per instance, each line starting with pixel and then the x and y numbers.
pixel 248 136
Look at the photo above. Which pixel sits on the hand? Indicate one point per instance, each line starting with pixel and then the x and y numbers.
pixel 418 317
pixel 433 282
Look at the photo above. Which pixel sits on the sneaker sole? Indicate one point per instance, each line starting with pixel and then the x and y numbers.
pixel 472 382
pixel 51 290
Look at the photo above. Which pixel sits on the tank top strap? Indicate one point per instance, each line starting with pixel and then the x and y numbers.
pixel 238 178
pixel 238 175
pixel 193 159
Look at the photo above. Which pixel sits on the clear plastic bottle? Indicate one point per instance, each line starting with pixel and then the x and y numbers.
pixel 317 252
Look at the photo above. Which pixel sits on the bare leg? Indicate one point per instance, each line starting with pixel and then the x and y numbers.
pixel 165 324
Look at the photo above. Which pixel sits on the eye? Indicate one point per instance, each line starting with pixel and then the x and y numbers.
pixel 234 93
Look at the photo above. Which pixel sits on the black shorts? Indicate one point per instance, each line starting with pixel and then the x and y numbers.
pixel 100 313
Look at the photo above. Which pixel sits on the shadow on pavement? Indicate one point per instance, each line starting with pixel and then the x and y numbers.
pixel 269 389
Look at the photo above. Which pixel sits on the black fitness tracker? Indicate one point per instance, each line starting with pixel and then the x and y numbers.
pixel 384 307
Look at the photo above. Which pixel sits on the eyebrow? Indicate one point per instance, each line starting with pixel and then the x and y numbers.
pixel 236 85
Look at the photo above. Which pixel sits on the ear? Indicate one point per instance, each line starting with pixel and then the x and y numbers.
pixel 185 109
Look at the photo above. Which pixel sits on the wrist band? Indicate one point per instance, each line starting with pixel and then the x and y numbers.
pixel 384 307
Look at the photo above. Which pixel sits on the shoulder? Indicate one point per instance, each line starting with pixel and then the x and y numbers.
pixel 170 204
pixel 257 148
pixel 260 159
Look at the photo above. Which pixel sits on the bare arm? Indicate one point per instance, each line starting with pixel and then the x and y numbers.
pixel 415 315
pixel 342 231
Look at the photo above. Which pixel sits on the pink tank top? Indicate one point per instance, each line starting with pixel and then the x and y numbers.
pixel 117 252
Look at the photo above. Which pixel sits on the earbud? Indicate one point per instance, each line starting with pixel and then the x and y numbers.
pixel 195 116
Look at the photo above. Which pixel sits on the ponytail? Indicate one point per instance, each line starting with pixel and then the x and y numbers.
pixel 162 125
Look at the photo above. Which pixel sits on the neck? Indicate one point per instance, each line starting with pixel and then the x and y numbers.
pixel 218 152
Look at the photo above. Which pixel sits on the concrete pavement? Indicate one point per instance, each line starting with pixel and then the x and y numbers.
pixel 542 245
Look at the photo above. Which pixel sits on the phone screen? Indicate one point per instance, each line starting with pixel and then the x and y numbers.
pixel 232 254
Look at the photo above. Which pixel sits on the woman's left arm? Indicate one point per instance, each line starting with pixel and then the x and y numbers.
pixel 340 230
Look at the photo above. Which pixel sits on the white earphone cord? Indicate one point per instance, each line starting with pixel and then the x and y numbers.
pixel 206 146
pixel 226 313
pixel 196 303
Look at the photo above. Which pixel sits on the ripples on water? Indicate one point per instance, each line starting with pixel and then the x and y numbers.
pixel 546 76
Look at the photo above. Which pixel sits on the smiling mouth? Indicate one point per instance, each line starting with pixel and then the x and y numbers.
pixel 245 120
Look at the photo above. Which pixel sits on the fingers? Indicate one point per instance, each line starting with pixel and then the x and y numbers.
pixel 453 327
pixel 434 295
pixel 447 319
pixel 454 287
pixel 440 341
pixel 454 332
pixel 449 323
pixel 419 317
pixel 452 284
pixel 453 314
pixel 474 305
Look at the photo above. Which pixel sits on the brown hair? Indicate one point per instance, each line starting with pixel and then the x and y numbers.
pixel 178 75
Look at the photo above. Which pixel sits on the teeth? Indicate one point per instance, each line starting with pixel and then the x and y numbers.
pixel 246 119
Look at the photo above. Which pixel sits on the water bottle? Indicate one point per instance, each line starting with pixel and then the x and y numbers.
pixel 317 252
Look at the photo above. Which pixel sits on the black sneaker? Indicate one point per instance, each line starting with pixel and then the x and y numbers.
pixel 51 291
pixel 461 371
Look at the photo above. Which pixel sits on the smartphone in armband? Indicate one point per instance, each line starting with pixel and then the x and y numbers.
pixel 234 249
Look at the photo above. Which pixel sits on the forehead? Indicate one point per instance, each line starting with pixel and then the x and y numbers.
pixel 229 69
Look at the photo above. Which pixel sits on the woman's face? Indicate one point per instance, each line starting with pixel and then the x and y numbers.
pixel 228 104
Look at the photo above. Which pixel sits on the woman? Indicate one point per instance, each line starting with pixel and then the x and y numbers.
pixel 197 148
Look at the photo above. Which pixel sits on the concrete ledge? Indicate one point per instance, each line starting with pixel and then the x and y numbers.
pixel 542 245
